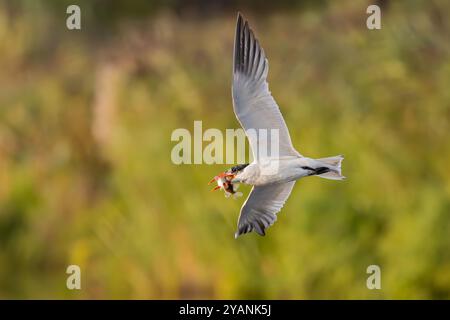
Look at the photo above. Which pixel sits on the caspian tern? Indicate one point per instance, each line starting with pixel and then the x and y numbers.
pixel 256 109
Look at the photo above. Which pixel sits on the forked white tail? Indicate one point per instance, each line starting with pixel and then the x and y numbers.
pixel 334 164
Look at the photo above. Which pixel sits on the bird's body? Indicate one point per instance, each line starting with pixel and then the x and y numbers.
pixel 287 169
pixel 272 176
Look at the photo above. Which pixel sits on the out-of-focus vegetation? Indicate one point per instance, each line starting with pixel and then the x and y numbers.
pixel 85 171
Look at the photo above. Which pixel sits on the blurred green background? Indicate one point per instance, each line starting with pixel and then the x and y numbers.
pixel 86 176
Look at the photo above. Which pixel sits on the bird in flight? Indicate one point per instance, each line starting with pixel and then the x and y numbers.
pixel 272 177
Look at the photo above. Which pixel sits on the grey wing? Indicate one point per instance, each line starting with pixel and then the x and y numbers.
pixel 253 103
pixel 260 209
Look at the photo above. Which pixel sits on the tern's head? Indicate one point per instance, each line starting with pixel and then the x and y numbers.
pixel 224 179
pixel 237 169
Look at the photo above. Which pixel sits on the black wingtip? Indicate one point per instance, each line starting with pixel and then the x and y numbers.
pixel 240 18
pixel 237 234
pixel 248 57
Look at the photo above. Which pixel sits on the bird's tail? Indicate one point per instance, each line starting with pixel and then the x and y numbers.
pixel 334 166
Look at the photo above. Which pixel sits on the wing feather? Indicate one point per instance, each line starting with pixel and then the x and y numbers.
pixel 253 103
pixel 260 209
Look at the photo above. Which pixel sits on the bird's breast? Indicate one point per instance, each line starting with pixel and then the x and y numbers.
pixel 277 170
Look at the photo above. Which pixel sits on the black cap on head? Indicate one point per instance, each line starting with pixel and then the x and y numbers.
pixel 239 167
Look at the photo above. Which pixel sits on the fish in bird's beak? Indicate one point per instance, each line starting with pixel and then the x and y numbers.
pixel 224 182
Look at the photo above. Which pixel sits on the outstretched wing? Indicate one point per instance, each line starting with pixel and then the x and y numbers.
pixel 253 104
pixel 260 209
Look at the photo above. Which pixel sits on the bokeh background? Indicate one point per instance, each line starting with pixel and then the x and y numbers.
pixel 86 176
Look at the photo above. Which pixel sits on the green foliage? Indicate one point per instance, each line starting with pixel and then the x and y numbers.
pixel 86 176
